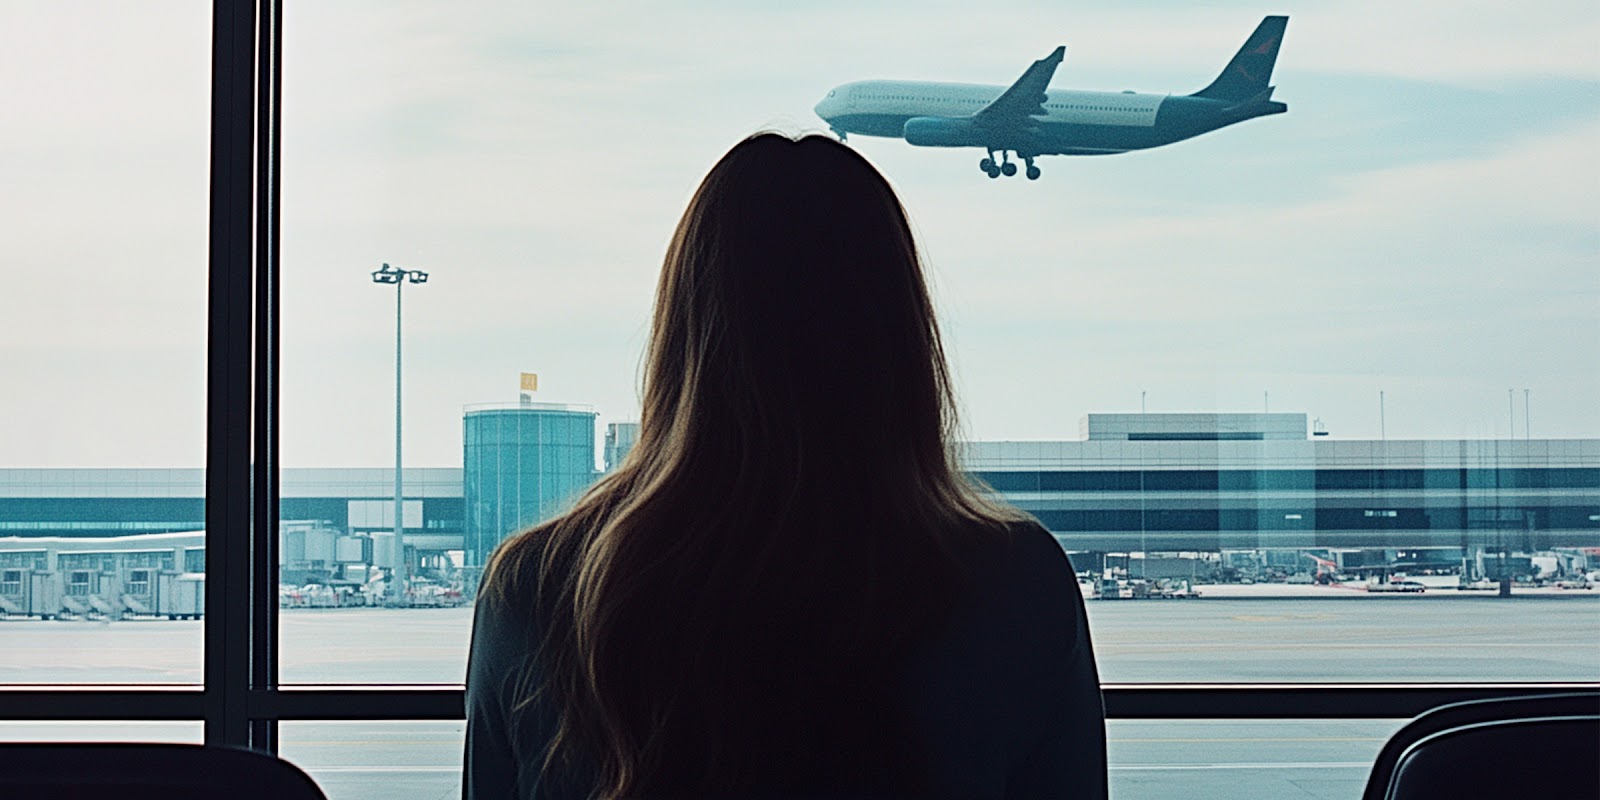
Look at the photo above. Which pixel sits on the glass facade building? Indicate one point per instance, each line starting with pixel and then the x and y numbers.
pixel 1223 483
pixel 620 439
pixel 521 465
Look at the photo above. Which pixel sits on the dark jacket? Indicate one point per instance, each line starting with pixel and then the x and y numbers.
pixel 1005 701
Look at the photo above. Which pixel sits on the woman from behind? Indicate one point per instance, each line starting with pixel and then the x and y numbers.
pixel 787 589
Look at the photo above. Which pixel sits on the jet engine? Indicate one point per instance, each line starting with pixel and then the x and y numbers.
pixel 945 132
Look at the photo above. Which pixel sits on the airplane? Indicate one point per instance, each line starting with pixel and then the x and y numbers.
pixel 1030 120
pixel 1327 569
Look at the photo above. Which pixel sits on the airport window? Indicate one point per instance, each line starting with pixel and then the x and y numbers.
pixel 25 559
pixel 398 145
pixel 155 560
pixel 78 583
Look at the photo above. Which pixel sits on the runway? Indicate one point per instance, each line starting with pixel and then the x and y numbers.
pixel 1344 636
pixel 1429 637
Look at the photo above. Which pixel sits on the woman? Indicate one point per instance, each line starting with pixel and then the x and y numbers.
pixel 787 588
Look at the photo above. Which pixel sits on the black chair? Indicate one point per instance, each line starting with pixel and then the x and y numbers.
pixel 1537 746
pixel 148 772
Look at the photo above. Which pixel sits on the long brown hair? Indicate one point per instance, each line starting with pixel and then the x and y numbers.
pixel 729 608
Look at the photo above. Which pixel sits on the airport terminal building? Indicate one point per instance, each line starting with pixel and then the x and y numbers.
pixel 1212 482
pixel 1251 492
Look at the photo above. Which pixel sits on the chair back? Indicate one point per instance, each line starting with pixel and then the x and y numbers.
pixel 1530 742
pixel 1542 757
pixel 37 771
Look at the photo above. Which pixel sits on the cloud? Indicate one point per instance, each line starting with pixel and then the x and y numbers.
pixel 1450 278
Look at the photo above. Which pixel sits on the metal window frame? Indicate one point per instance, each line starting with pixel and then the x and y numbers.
pixel 1122 701
pixel 241 701
pixel 241 399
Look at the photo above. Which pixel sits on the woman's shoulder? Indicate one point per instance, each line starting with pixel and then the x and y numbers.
pixel 988 687
pixel 1023 550
pixel 1023 595
pixel 513 576
pixel 506 611
pixel 1028 536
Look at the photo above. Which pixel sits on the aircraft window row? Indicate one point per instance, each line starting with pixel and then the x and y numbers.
pixel 1073 107
pixel 929 99
pixel 1060 106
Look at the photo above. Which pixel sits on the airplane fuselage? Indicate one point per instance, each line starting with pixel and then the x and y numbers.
pixel 1074 122
pixel 1029 120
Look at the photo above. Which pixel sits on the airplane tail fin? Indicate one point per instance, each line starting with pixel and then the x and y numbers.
pixel 1250 71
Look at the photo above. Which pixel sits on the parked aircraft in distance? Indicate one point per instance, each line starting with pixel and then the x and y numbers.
pixel 1031 121
pixel 1327 570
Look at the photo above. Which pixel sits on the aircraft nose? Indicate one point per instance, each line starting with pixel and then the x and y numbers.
pixel 828 106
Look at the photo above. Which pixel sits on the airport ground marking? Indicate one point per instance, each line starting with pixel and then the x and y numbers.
pixel 456 768
pixel 455 742
pixel 1269 765
pixel 1212 739
pixel 291 744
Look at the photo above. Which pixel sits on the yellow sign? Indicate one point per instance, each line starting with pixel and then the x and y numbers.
pixel 530 382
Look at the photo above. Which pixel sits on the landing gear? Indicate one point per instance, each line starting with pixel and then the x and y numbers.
pixel 989 167
pixel 994 166
pixel 998 163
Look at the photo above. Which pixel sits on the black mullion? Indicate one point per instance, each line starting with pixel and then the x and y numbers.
pixel 1306 701
pixel 103 704
pixel 1123 701
pixel 264 553
pixel 228 376
pixel 358 703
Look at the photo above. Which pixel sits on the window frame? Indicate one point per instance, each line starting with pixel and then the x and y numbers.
pixel 240 701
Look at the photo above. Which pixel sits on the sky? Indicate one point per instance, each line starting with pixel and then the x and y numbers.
pixel 1424 221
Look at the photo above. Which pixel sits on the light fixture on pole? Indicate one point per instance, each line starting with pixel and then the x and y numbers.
pixel 402 573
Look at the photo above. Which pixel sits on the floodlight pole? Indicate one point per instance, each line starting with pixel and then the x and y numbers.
pixel 402 571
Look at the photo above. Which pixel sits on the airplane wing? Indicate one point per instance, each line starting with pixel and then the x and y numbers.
pixel 1025 99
